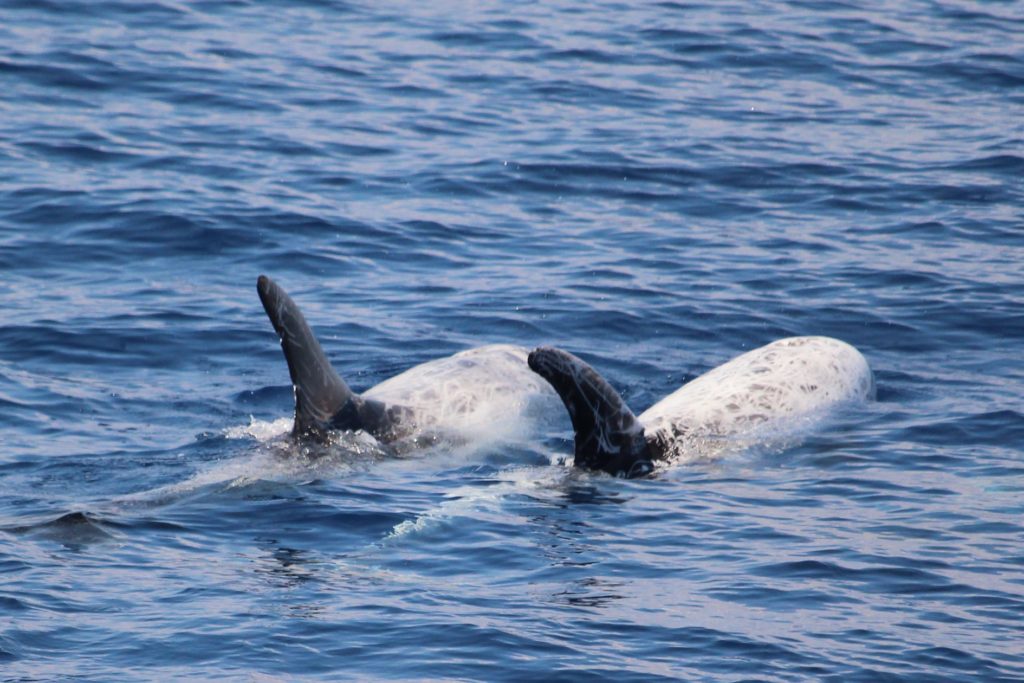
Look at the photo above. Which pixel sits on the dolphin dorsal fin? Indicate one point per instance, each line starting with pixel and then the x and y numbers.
pixel 320 393
pixel 608 436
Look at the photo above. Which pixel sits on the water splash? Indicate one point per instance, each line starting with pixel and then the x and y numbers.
pixel 261 430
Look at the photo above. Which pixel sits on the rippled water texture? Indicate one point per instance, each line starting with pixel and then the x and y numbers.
pixel 656 187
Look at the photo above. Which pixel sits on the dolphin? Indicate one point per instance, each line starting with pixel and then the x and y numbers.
pixel 484 393
pixel 771 386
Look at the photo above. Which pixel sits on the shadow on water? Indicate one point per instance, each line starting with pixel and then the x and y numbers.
pixel 283 566
pixel 73 530
pixel 592 592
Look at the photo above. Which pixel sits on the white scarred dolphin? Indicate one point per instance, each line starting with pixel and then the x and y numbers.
pixel 786 380
pixel 482 393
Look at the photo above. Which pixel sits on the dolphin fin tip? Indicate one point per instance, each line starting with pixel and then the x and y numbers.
pixel 263 284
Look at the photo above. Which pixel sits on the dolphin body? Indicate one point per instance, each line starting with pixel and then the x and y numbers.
pixel 778 384
pixel 482 393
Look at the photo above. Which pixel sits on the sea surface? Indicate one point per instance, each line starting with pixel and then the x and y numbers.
pixel 654 186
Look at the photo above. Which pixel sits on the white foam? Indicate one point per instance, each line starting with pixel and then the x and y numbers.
pixel 478 501
pixel 260 430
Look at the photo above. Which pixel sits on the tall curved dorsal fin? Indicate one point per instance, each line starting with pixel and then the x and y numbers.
pixel 608 436
pixel 322 398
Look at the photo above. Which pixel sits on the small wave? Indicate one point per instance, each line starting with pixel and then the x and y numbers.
pixel 71 529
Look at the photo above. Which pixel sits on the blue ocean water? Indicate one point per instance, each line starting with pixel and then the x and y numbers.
pixel 657 187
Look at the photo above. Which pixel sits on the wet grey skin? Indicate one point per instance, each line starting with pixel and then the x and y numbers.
pixel 608 436
pixel 323 401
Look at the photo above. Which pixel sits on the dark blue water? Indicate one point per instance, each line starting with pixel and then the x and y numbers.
pixel 655 187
